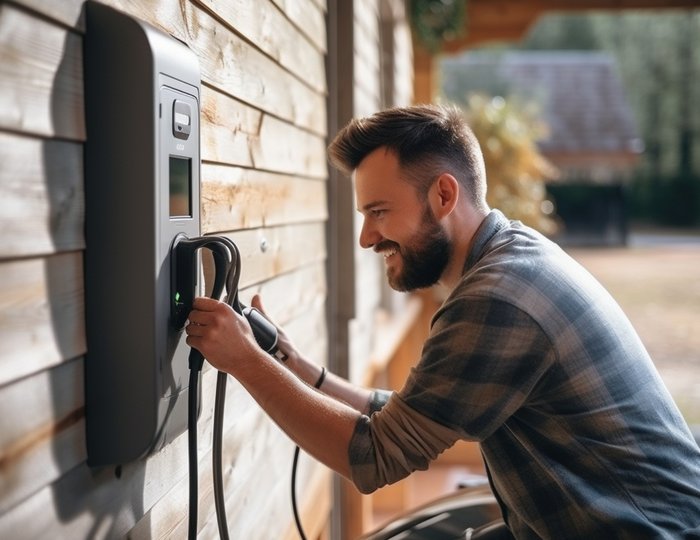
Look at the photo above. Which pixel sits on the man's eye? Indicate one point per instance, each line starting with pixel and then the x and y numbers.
pixel 377 213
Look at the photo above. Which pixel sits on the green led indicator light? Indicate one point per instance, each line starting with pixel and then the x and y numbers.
pixel 177 297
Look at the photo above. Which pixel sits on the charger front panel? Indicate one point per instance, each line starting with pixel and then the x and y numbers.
pixel 142 166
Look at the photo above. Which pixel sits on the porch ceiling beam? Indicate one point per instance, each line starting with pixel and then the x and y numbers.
pixel 496 20
pixel 508 20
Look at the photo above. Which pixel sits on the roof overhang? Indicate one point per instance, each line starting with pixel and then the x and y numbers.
pixel 509 20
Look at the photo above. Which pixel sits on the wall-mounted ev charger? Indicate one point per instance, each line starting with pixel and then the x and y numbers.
pixel 142 167
pixel 142 230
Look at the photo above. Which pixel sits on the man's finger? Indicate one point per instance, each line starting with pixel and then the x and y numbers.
pixel 198 316
pixel 203 303
pixel 194 329
pixel 256 302
pixel 193 341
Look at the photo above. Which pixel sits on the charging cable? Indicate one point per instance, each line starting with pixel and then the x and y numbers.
pixel 184 278
pixel 295 462
pixel 265 335
pixel 233 277
pixel 227 274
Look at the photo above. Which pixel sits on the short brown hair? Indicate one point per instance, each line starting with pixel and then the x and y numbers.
pixel 427 139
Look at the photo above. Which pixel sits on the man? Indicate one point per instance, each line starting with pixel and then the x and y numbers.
pixel 528 355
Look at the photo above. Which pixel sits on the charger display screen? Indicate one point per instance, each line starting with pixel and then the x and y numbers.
pixel 180 187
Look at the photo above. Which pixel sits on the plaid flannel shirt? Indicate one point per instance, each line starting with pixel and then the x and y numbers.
pixel 531 357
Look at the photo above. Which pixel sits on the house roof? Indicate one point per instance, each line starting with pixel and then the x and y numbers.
pixel 580 95
pixel 582 99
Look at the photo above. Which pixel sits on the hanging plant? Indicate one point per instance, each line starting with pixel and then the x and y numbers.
pixel 437 21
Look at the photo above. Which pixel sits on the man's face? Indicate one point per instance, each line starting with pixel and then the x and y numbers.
pixel 399 224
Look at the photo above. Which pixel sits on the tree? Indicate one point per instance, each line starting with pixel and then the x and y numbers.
pixel 507 132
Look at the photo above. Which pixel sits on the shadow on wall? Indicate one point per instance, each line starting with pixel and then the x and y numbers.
pixel 111 497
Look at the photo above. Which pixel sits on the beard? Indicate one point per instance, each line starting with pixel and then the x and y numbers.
pixel 424 257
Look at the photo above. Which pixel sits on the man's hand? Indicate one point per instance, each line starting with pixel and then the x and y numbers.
pixel 321 424
pixel 222 336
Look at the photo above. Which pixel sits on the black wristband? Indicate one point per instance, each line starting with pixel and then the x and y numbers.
pixel 321 378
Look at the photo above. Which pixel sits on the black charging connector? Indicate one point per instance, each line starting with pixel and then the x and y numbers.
pixel 264 331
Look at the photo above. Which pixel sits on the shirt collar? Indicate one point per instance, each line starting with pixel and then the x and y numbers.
pixel 494 222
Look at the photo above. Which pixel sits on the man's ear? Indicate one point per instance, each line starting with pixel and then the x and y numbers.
pixel 443 195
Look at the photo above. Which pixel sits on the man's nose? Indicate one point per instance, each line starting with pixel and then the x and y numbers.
pixel 369 236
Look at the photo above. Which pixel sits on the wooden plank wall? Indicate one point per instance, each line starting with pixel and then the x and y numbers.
pixel 371 71
pixel 368 266
pixel 402 59
pixel 263 184
pixel 376 308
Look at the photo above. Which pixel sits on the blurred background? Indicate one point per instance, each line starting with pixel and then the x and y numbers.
pixel 591 133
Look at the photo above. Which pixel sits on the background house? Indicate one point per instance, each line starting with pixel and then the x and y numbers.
pixel 591 137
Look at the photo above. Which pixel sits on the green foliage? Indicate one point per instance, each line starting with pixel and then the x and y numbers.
pixel 673 201
pixel 436 21
pixel 507 132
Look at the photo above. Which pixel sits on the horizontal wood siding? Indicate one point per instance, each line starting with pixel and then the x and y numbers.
pixel 377 310
pixel 368 265
pixel 41 83
pixel 41 196
pixel 402 60
pixel 263 185
pixel 41 313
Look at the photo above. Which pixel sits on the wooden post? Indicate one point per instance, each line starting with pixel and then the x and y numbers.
pixel 423 85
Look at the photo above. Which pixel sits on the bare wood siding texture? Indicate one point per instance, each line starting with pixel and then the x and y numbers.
pixel 401 69
pixel 369 75
pixel 357 277
pixel 368 265
pixel 263 185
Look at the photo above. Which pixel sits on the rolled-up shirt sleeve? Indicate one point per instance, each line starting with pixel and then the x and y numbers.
pixel 394 442
pixel 482 360
pixel 377 400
